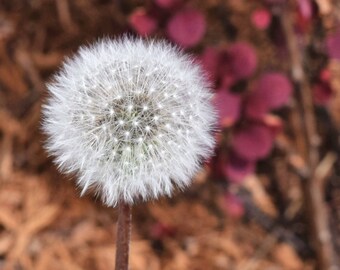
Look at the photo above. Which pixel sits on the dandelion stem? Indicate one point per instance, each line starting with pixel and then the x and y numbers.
pixel 123 236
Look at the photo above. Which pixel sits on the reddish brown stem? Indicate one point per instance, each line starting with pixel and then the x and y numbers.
pixel 123 236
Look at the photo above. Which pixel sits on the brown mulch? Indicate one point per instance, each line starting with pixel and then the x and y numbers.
pixel 43 222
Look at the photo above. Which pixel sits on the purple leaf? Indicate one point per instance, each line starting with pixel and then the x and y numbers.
pixel 325 75
pixel 228 106
pixel 237 168
pixel 233 205
pixel 242 60
pixel 256 106
pixel 305 9
pixel 227 81
pixel 271 91
pixel 304 15
pixel 216 164
pixel 187 27
pixel 333 45
pixel 322 93
pixel 261 18
pixel 253 141
pixel 142 23
pixel 276 88
pixel 273 122
pixel 167 3
pixel 210 62
pixel 160 230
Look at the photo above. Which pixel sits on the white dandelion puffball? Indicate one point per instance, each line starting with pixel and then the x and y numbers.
pixel 132 118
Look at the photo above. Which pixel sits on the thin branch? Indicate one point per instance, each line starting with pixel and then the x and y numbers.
pixel 316 207
pixel 65 16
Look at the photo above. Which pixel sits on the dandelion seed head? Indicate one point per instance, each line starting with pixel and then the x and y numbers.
pixel 115 117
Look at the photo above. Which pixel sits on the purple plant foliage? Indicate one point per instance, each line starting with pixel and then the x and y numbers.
pixel 242 60
pixel 236 168
pixel 322 93
pixel 305 8
pixel 274 123
pixel 161 230
pixel 248 126
pixel 229 64
pixel 256 106
pixel 210 62
pixel 168 3
pixel 333 45
pixel 246 115
pixel 261 18
pixel 325 75
pixel 187 27
pixel 228 106
pixel 271 91
pixel 142 23
pixel 253 141
pixel 233 205
pixel 276 88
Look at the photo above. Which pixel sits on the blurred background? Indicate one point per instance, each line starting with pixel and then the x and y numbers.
pixel 269 198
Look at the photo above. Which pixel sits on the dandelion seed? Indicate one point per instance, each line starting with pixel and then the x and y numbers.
pixel 94 95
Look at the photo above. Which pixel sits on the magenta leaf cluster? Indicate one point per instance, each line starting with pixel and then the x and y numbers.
pixel 322 89
pixel 246 98
pixel 167 4
pixel 182 24
pixel 271 91
pixel 187 27
pixel 143 23
pixel 261 18
pixel 242 60
pixel 228 107
pixel 229 64
pixel 333 45
pixel 244 117
pixel 253 141
pixel 233 205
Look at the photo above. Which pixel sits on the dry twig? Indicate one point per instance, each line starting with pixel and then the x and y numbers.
pixel 313 193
